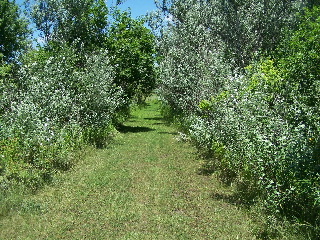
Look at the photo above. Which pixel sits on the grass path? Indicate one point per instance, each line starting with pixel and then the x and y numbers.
pixel 145 186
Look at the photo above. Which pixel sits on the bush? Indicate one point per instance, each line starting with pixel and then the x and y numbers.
pixel 258 126
pixel 251 138
pixel 55 108
pixel 132 49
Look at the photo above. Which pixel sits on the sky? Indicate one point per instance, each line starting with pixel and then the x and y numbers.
pixel 138 7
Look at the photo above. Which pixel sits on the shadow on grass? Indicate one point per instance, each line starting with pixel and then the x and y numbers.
pixel 155 118
pixel 229 198
pixel 159 123
pixel 235 199
pixel 129 129
pixel 171 133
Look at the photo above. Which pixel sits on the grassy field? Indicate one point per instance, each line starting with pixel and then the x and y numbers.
pixel 143 186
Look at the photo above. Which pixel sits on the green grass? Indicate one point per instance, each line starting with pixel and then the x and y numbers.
pixel 143 186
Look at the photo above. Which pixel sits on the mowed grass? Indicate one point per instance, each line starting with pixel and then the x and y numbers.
pixel 143 186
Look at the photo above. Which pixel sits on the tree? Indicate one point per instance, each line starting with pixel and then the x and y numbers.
pixel 13 31
pixel 247 28
pixel 259 125
pixel 80 21
pixel 120 2
pixel 132 47
pixel 300 58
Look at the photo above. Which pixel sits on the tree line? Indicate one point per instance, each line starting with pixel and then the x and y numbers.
pixel 241 79
pixel 92 64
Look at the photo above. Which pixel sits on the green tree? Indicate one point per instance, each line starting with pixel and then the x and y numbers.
pixel 300 58
pixel 81 21
pixel 260 130
pixel 247 28
pixel 132 47
pixel 13 31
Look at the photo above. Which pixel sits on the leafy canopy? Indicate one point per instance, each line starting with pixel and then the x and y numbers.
pixel 132 47
pixel 80 21
pixel 13 31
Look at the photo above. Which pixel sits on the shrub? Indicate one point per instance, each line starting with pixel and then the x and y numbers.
pixel 258 126
pixel 57 108
pixel 132 49
pixel 251 140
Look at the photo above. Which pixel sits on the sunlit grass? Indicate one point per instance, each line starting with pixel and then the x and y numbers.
pixel 144 186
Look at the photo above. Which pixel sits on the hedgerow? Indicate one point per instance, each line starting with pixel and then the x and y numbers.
pixel 72 89
pixel 249 101
pixel 51 111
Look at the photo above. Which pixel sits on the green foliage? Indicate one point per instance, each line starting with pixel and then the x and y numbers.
pixel 206 42
pixel 132 47
pixel 5 69
pixel 71 91
pixel 13 31
pixel 113 183
pixel 245 27
pixel 32 162
pixel 52 110
pixel 265 75
pixel 83 25
pixel 84 93
pixel 81 22
pixel 300 58
pixel 258 126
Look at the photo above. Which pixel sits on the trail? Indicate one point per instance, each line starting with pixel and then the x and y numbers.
pixel 143 186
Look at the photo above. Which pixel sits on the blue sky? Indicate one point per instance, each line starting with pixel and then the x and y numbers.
pixel 138 7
